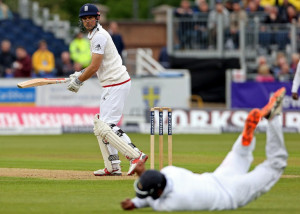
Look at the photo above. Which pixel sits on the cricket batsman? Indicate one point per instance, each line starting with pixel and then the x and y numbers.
pixel 231 185
pixel 115 81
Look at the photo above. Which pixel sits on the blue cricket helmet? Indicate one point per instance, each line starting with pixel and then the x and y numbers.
pixel 88 10
pixel 150 182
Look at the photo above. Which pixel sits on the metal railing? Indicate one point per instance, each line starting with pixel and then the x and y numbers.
pixel 191 37
pixel 140 62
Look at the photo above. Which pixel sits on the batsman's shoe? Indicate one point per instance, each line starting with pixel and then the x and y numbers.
pixel 250 125
pixel 105 172
pixel 274 105
pixel 133 163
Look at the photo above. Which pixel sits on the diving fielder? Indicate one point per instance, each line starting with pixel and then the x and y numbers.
pixel 115 80
pixel 296 83
pixel 231 185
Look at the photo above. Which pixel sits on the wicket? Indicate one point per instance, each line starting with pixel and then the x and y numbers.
pixel 161 137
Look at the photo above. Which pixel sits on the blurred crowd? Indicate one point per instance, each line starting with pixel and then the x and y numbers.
pixel 271 12
pixel 43 63
pixel 280 69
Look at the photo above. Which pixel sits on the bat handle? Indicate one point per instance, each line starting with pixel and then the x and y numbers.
pixel 67 80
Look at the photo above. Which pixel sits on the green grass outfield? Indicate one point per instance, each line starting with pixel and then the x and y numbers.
pixel 80 152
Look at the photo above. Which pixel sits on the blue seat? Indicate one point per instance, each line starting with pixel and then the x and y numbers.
pixel 11 37
pixel 23 32
pixel 36 30
pixel 26 24
pixel 7 23
pixel 30 49
pixel 2 31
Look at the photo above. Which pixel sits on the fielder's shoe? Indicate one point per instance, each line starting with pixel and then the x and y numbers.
pixel 250 125
pixel 274 106
pixel 105 172
pixel 143 157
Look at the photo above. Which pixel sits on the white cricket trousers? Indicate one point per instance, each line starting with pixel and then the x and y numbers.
pixel 244 186
pixel 111 108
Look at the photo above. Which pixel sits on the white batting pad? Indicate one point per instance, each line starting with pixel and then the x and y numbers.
pixel 105 154
pixel 104 131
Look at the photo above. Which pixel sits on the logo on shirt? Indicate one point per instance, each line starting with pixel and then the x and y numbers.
pixel 98 47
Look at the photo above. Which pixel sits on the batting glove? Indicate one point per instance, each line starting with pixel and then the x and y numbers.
pixel 74 85
pixel 76 74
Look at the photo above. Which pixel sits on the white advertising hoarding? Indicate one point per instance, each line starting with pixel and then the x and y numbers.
pixel 145 92
pixel 57 120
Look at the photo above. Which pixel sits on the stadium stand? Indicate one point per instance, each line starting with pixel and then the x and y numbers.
pixel 23 32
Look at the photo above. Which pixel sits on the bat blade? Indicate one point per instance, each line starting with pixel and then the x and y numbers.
pixel 42 81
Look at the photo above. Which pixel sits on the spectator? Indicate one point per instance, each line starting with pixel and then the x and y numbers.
pixel 5 12
pixel 228 4
pixel 282 9
pixel 43 61
pixel 236 16
pixel 201 31
pixel 201 8
pixel 291 14
pixel 184 10
pixel 6 59
pixel 282 70
pixel 164 58
pixel 197 8
pixel 253 7
pixel 259 5
pixel 213 19
pixel 65 65
pixel 280 59
pixel 261 60
pixel 116 37
pixel 264 74
pixel 80 50
pixel 272 32
pixel 22 66
pixel 296 4
pixel 185 31
pixel 245 3
pixel 273 16
pixel 285 72
pixel 294 62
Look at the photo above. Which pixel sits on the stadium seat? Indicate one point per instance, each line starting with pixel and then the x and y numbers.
pixel 25 33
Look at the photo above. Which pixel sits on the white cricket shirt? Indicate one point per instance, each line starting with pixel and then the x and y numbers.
pixel 111 71
pixel 186 190
pixel 296 81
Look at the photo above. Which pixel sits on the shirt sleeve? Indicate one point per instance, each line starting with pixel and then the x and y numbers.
pixel 296 81
pixel 140 203
pixel 98 44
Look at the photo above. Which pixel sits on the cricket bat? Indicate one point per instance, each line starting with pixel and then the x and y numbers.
pixel 42 81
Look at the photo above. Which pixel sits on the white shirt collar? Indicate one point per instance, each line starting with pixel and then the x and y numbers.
pixel 96 29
